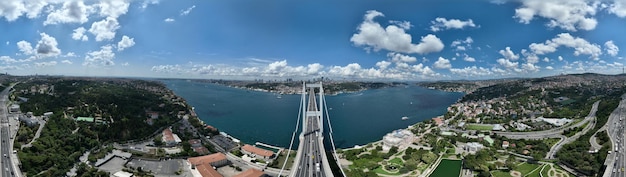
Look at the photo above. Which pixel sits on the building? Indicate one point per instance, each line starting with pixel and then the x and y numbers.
pixel 555 122
pixel 473 147
pixel 15 108
pixel 204 166
pixel 505 144
pixel 201 150
pixel 85 119
pixel 398 138
pixel 152 114
pixel 489 140
pixel 256 152
pixel 169 138
pixel 28 120
pixel 122 174
pixel 252 172
pixel 195 143
pixel 438 121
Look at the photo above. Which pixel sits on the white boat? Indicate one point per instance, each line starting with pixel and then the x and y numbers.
pixel 405 118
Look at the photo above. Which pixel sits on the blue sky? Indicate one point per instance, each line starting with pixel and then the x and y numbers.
pixel 370 40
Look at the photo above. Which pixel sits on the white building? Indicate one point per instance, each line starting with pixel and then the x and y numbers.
pixel 398 138
pixel 472 147
pixel 555 122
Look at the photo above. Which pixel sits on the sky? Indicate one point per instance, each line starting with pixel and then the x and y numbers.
pixel 342 40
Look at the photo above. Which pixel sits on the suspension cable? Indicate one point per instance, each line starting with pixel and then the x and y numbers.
pixel 292 137
pixel 330 133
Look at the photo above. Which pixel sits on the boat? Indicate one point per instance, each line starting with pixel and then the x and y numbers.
pixel 405 118
pixel 279 96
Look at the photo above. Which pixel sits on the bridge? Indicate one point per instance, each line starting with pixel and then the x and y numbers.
pixel 311 159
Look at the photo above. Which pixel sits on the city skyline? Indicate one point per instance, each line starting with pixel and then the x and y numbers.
pixel 370 40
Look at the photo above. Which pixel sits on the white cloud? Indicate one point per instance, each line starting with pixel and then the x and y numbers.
pixel 471 71
pixel 444 24
pixel 546 59
pixel 25 47
pixel 7 43
pixel 393 38
pixel 126 42
pixel 125 64
pixel 442 63
pixel 383 64
pixel 70 12
pixel 468 58
pixel 611 48
pixel 11 10
pixel 45 64
pixel 560 58
pixel 508 54
pixel 530 67
pixel 167 69
pixel 79 34
pixel 67 62
pixel 406 25
pixel 549 68
pixel 113 8
pixel 507 63
pixel 7 60
pixel 580 46
pixel 187 11
pixel 102 57
pixel 396 57
pixel 462 45
pixel 104 29
pixel 618 7
pixel 569 15
pixel 146 3
pixel 169 20
pixel 47 46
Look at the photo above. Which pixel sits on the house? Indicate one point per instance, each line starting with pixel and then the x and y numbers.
pixel 205 165
pixel 122 174
pixel 489 140
pixel 29 121
pixel 195 143
pixel 152 114
pixel 438 121
pixel 256 152
pixel 15 108
pixel 472 147
pixel 201 150
pixel 505 144
pixel 85 119
pixel 169 138
pixel 252 172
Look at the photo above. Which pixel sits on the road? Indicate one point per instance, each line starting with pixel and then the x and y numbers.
pixel 5 150
pixel 615 162
pixel 565 140
pixel 310 163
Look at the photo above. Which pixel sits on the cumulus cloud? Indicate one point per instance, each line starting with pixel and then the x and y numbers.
pixel 383 64
pixel 70 12
pixel 462 44
pixel 406 25
pixel 167 69
pixel 7 60
pixel 169 20
pixel 471 71
pixel 508 54
pixel 549 68
pixel 442 63
pixel 444 24
pixel 126 42
pixel 507 63
pixel 571 15
pixel 113 8
pixel 25 47
pixel 392 38
pixel 45 64
pixel 396 57
pixel 187 11
pixel 611 48
pixel 102 57
pixel 79 34
pixel 468 58
pixel 47 46
pixel 104 29
pixel 618 7
pixel 146 3
pixel 530 67
pixel 580 46
pixel 67 62
pixel 11 10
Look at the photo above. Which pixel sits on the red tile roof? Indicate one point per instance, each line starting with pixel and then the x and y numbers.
pixel 257 151
pixel 252 172
pixel 207 159
pixel 208 171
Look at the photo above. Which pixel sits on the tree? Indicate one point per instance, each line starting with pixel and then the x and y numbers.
pixel 429 158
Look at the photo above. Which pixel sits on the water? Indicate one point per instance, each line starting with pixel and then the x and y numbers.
pixel 357 118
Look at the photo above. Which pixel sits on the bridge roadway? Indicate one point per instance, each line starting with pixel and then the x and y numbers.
pixel 616 161
pixel 5 150
pixel 311 158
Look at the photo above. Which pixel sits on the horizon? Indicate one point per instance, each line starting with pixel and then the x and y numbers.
pixel 367 41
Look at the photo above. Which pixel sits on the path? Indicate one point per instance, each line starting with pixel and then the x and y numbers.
pixel 42 123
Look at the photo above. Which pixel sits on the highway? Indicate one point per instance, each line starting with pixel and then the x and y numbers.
pixel 615 162
pixel 5 150
pixel 311 158
pixel 565 140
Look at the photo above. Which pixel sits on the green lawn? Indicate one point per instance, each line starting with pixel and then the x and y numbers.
pixel 545 170
pixel 552 141
pixel 380 170
pixel 447 167
pixel 526 168
pixel 479 127
pixel 535 173
pixel 498 173
pixel 396 161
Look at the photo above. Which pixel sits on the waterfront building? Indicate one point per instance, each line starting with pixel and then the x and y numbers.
pixel 169 138
pixel 252 172
pixel 204 166
pixel 398 138
pixel 256 152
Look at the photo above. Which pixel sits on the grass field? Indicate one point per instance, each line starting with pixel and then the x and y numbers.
pixel 526 168
pixel 380 170
pixel 448 167
pixel 545 171
pixel 478 127
pixel 499 173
